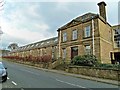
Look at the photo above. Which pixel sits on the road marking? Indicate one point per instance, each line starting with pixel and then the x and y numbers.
pixel 72 84
pixel 8 78
pixel 14 83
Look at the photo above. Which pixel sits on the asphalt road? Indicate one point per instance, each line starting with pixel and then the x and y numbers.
pixel 21 76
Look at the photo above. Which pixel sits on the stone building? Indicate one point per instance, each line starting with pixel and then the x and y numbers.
pixel 45 47
pixel 4 52
pixel 115 54
pixel 87 34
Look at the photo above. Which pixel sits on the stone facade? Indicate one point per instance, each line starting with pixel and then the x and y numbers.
pixel 87 34
pixel 45 47
pixel 115 54
pixel 102 37
pixel 95 72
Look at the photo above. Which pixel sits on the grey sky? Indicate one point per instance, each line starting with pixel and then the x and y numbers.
pixel 28 22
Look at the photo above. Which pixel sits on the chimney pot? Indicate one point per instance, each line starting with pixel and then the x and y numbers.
pixel 102 3
pixel 102 9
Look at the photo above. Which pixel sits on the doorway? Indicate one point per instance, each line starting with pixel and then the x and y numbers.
pixel 117 56
pixel 74 52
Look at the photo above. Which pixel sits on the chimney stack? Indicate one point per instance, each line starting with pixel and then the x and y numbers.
pixel 102 9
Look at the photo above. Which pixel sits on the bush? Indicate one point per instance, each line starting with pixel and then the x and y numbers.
pixel 46 58
pixel 85 60
pixel 108 66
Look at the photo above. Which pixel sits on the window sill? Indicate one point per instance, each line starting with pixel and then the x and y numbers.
pixel 87 37
pixel 74 39
pixel 64 41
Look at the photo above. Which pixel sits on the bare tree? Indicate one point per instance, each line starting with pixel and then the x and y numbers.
pixel 13 46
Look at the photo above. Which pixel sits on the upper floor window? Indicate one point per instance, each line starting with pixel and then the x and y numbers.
pixel 87 31
pixel 64 36
pixel 87 49
pixel 117 38
pixel 45 52
pixel 117 31
pixel 117 43
pixel 53 49
pixel 74 35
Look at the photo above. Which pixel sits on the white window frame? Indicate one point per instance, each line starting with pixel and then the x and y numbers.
pixel 87 49
pixel 118 43
pixel 64 53
pixel 87 31
pixel 64 36
pixel 117 31
pixel 74 34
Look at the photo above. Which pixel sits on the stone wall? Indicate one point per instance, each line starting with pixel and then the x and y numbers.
pixel 94 72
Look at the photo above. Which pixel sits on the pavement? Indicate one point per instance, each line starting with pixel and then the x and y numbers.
pixel 114 82
pixel 84 77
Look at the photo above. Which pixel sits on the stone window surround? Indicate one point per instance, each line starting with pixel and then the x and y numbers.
pixel 64 53
pixel 64 35
pixel 87 47
pixel 87 31
pixel 75 34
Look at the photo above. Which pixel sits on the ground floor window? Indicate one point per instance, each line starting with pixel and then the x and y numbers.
pixel 64 53
pixel 74 52
pixel 87 49
pixel 115 57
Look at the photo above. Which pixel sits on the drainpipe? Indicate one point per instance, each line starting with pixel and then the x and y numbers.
pixel 59 44
pixel 93 42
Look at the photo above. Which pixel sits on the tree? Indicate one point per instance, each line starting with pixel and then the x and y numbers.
pixel 13 46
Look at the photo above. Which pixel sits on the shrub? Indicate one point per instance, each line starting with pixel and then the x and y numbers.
pixel 46 58
pixel 85 60
pixel 108 66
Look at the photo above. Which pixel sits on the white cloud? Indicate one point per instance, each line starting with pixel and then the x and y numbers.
pixel 61 0
pixel 42 27
pixel 24 33
pixel 25 24
pixel 63 6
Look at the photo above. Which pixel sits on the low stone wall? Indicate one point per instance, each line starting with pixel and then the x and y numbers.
pixel 82 70
pixel 48 65
pixel 40 65
pixel 95 72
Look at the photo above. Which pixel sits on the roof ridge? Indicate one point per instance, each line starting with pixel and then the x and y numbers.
pixel 79 19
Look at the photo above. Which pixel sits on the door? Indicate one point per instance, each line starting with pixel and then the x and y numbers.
pixel 117 56
pixel 74 52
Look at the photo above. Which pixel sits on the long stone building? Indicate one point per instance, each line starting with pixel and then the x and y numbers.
pixel 45 47
pixel 87 34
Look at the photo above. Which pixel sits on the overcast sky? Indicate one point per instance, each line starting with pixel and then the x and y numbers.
pixel 28 21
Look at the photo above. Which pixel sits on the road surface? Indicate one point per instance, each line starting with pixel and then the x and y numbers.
pixel 22 76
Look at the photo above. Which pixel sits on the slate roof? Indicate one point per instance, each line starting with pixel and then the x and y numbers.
pixel 40 44
pixel 81 19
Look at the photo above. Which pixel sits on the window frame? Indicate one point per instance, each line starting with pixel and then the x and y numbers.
pixel 118 44
pixel 86 50
pixel 64 37
pixel 87 31
pixel 64 53
pixel 117 31
pixel 75 34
